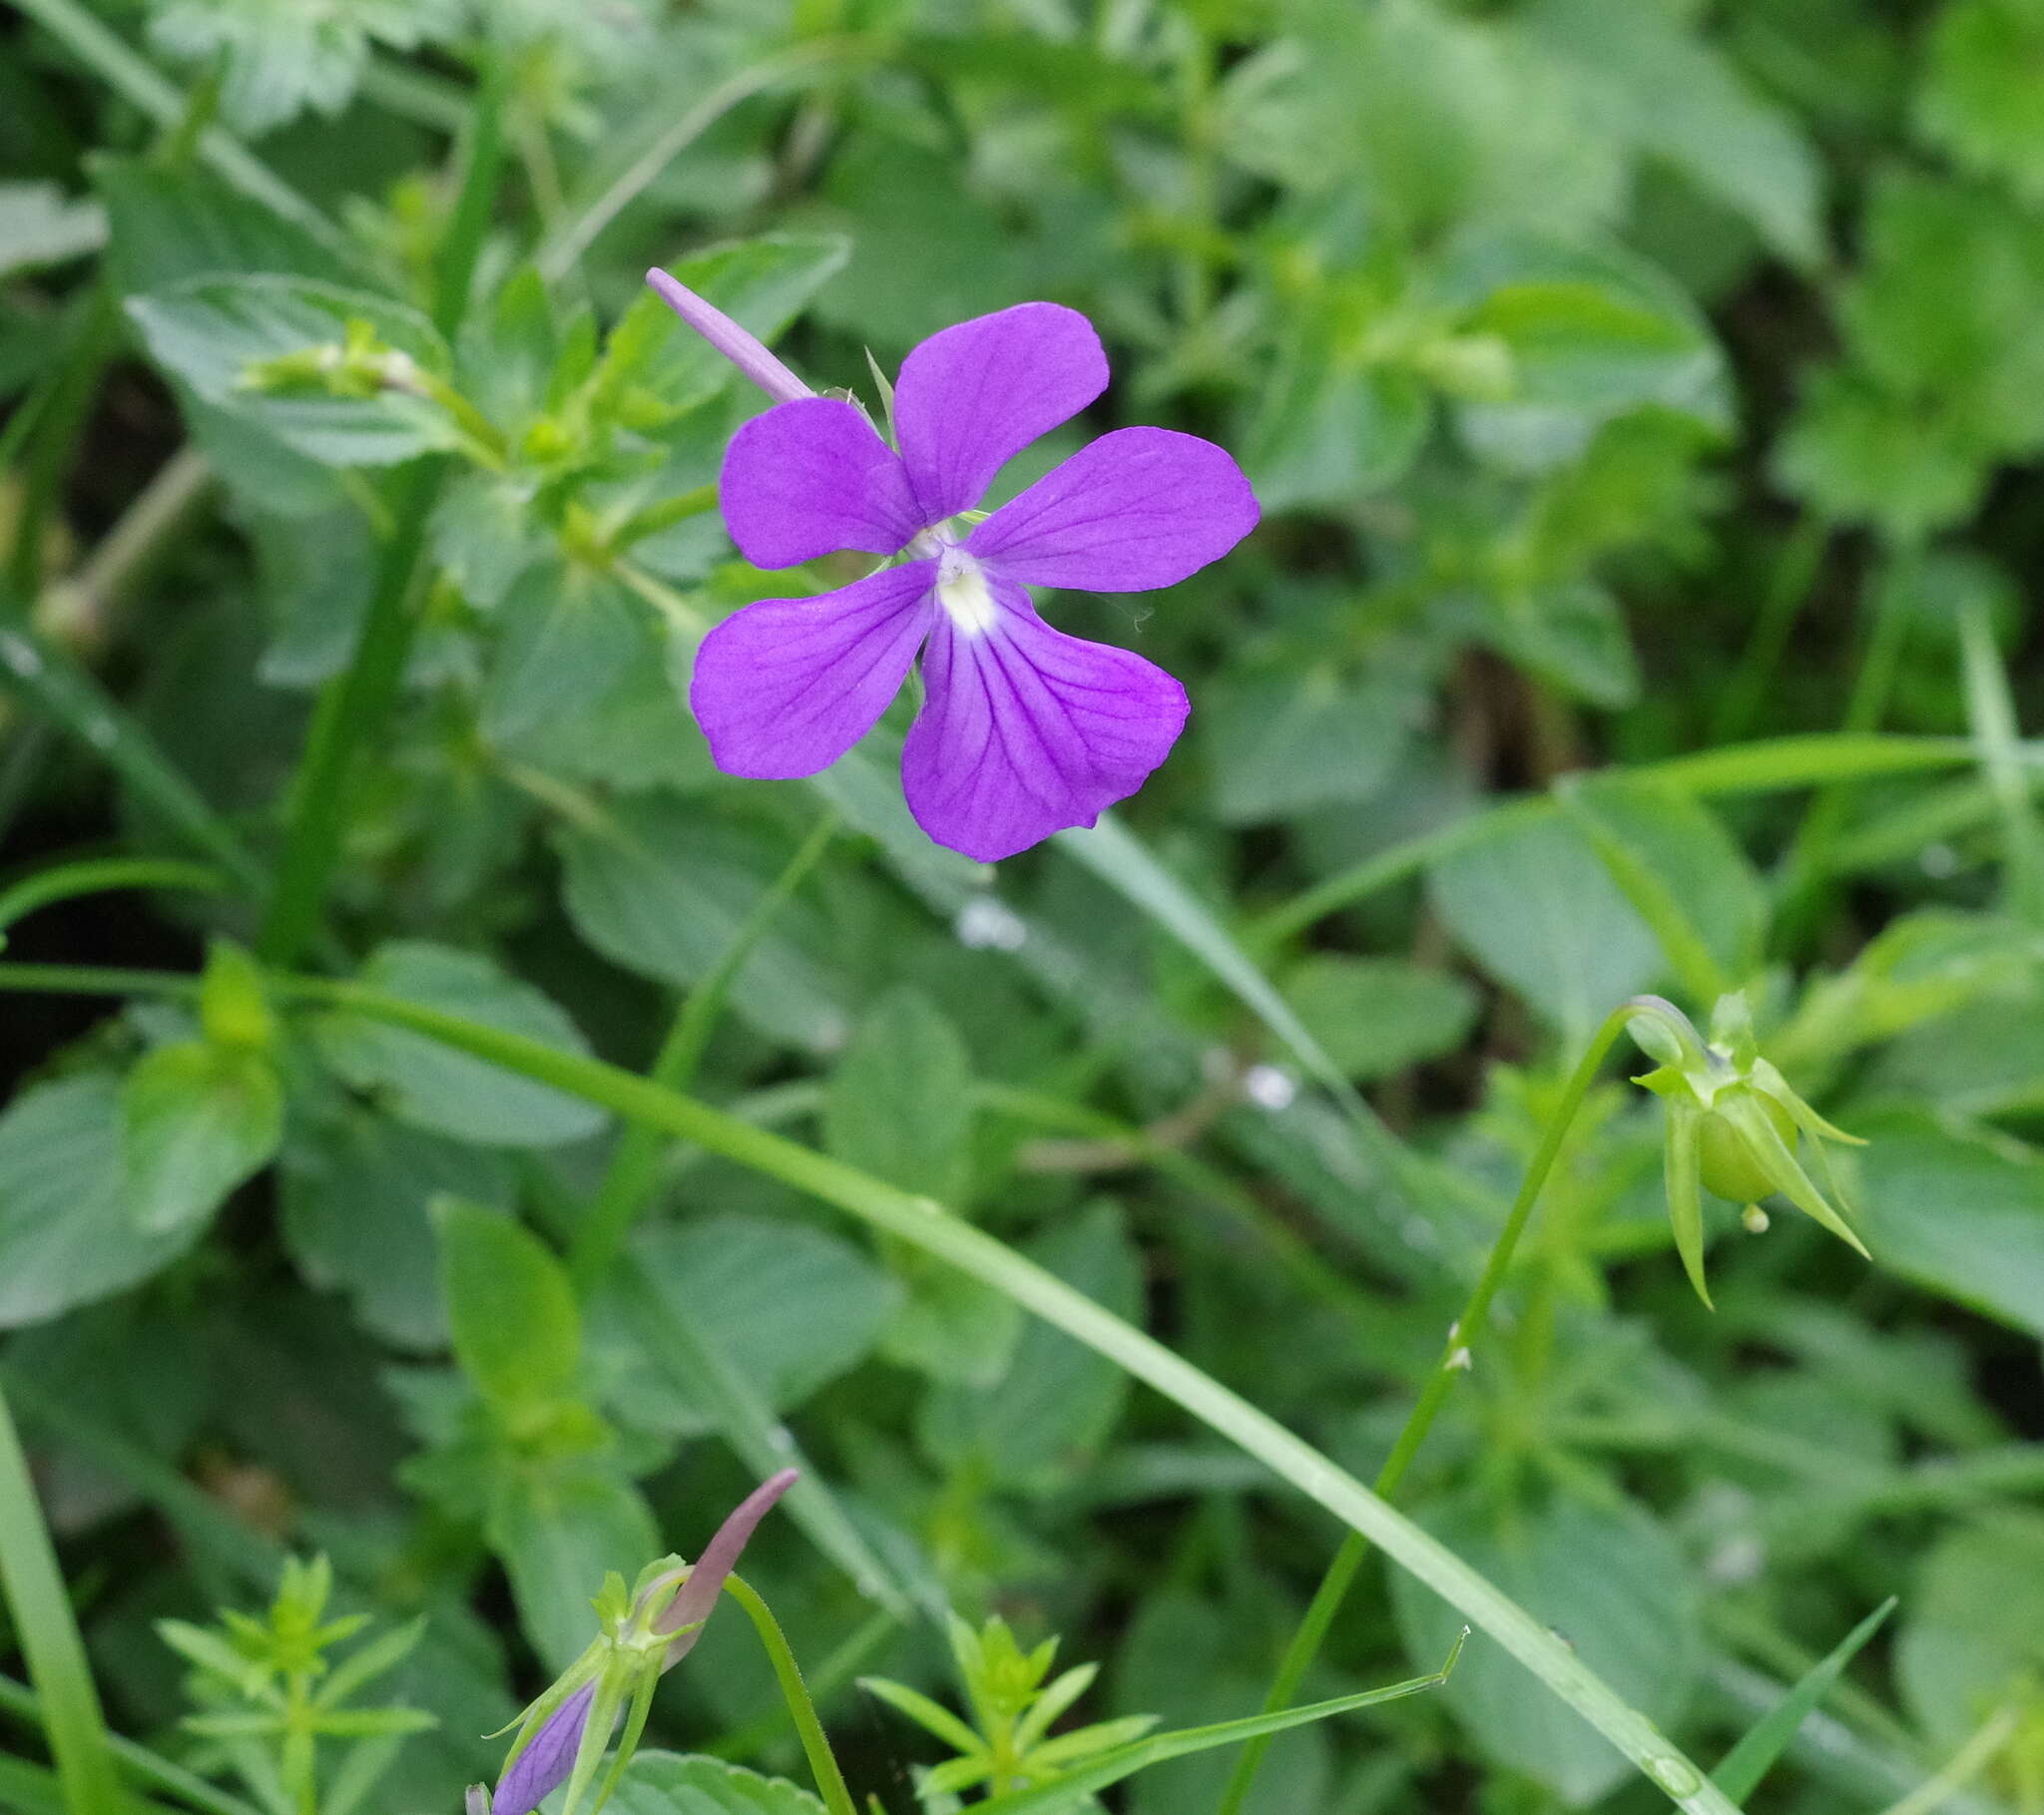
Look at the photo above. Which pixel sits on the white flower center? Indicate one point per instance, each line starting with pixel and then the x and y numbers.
pixel 963 592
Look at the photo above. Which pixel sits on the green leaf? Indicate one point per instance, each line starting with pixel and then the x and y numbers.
pixel 1125 1761
pixel 1740 1771
pixel 667 1783
pixel 1053 1408
pixel 355 1192
pixel 565 637
pixel 559 1533
pixel 280 60
pixel 1322 436
pixel 1538 911
pixel 212 333
pixel 1650 76
pixel 900 1104
pixel 662 887
pixel 1959 1217
pixel 516 1329
pixel 67 1233
pixel 1978 98
pixel 1974 1622
pixel 171 223
pixel 789 1307
pixel 1688 880
pixel 40 225
pixel 1377 1016
pixel 421 1081
pixel 1606 1577
pixel 197 1118
pixel 948 1328
pixel 1859 454
pixel 1280 744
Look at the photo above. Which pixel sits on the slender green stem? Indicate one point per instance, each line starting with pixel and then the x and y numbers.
pixel 1769 766
pixel 50 1642
pixel 60 419
pixel 1807 867
pixel 634 1172
pixel 142 1765
pixel 1991 711
pixel 57 687
pixel 832 1673
pixel 1463 1337
pixel 923 1223
pixel 816 1742
pixel 351 719
pixel 462 242
pixel 95 876
pixel 1740 703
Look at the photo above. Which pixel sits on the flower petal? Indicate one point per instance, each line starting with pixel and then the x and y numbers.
pixel 785 686
pixel 973 396
pixel 697 1599
pixel 811 477
pixel 1140 508
pixel 1027 730
pixel 548 1758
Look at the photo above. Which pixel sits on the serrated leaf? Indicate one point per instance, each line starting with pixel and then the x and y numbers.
pixel 667 1783
pixel 212 333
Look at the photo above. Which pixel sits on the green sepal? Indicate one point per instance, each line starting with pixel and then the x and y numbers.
pixel 1683 1162
pixel 1782 1168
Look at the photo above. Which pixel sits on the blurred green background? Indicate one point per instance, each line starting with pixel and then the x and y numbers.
pixel 1643 392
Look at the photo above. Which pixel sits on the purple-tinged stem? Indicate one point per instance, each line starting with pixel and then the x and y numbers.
pixel 729 339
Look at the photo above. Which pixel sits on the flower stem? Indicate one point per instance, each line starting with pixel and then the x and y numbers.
pixel 349 719
pixel 1463 1335
pixel 634 1169
pixel 51 1644
pixel 816 1742
pixel 925 1224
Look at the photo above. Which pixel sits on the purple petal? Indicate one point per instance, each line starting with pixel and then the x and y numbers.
pixel 809 478
pixel 1027 730
pixel 744 350
pixel 973 396
pixel 548 1760
pixel 1140 508
pixel 696 1598
pixel 785 686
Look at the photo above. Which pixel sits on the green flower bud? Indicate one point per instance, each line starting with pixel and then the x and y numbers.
pixel 1734 1126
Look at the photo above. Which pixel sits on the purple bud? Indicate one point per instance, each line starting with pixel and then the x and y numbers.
pixel 729 339
pixel 548 1761
pixel 693 1599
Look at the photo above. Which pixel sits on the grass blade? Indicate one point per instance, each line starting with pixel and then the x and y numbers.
pixel 1740 1771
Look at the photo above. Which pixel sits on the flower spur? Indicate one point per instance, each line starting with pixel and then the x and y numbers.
pixel 1024 731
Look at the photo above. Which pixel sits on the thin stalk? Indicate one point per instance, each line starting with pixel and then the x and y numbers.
pixel 1991 713
pixel 1463 1335
pixel 95 876
pixel 144 1766
pixel 351 714
pixel 815 1743
pixel 80 608
pixel 1808 866
pixel 462 243
pixel 60 420
pixel 832 1673
pixel 1788 592
pixel 634 1172
pixel 925 1224
pixel 50 1642
pixel 1964 1765
pixel 57 687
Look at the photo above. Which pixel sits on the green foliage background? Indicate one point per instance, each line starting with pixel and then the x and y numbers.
pixel 1645 397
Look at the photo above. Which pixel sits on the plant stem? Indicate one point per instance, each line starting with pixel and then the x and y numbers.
pixel 462 243
pixel 1463 1335
pixel 60 418
pixel 925 1224
pixel 628 1183
pixel 1991 711
pixel 351 719
pixel 50 1642
pixel 1740 703
pixel 816 1742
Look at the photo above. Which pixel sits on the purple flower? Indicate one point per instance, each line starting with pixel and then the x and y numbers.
pixel 1024 730
pixel 546 1761
pixel 695 1599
